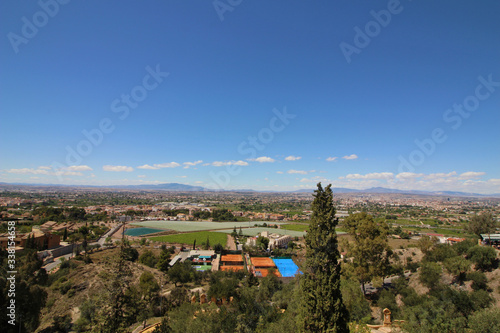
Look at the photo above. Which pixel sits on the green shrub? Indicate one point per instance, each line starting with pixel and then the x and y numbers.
pixel 479 280
pixel 462 247
pixel 484 257
pixel 485 321
pixel 65 287
pixel 430 274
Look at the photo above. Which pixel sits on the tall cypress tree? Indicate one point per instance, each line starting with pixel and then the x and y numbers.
pixel 323 307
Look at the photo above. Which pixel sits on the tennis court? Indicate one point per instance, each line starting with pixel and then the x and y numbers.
pixel 287 267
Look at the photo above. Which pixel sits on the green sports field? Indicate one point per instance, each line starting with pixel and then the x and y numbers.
pixel 189 238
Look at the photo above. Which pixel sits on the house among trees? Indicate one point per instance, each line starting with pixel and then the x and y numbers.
pixel 36 239
pixel 491 239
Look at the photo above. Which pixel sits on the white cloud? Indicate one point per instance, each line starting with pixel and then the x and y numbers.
pixel 78 168
pixel 292 158
pixel 117 168
pixel 440 175
pixel 220 163
pixel 147 166
pixel 159 166
pixel 262 159
pixel 408 175
pixel 331 159
pixel 181 176
pixel 316 179
pixel 450 181
pixel 300 172
pixel 141 176
pixel 167 165
pixel 494 182
pixel 471 174
pixel 29 171
pixel 374 175
pixel 45 170
pixel 350 157
pixel 280 172
pixel 190 164
pixel 70 173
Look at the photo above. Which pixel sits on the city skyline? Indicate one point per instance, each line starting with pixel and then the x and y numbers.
pixel 396 94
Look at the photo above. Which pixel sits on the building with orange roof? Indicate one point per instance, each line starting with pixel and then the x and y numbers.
pixel 42 240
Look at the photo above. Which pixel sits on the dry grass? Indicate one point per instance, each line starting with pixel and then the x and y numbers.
pixel 87 281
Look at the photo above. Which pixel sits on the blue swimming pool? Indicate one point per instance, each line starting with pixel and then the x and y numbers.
pixel 287 267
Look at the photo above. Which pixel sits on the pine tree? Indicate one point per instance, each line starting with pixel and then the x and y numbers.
pixel 65 235
pixel 370 249
pixel 323 308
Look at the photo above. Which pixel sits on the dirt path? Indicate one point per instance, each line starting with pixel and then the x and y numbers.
pixel 231 245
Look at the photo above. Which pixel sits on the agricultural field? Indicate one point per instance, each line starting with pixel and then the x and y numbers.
pixel 295 227
pixel 189 238
pixel 186 226
pixel 254 231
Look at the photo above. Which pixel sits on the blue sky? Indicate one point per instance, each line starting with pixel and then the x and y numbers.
pixel 268 95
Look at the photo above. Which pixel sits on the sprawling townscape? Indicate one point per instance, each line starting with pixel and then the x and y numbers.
pixel 258 234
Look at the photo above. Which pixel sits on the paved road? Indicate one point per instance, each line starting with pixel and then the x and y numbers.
pixel 100 241
pixel 231 245
pixel 110 232
pixel 57 262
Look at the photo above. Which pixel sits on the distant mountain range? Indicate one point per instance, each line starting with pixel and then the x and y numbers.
pixel 176 187
pixel 166 187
